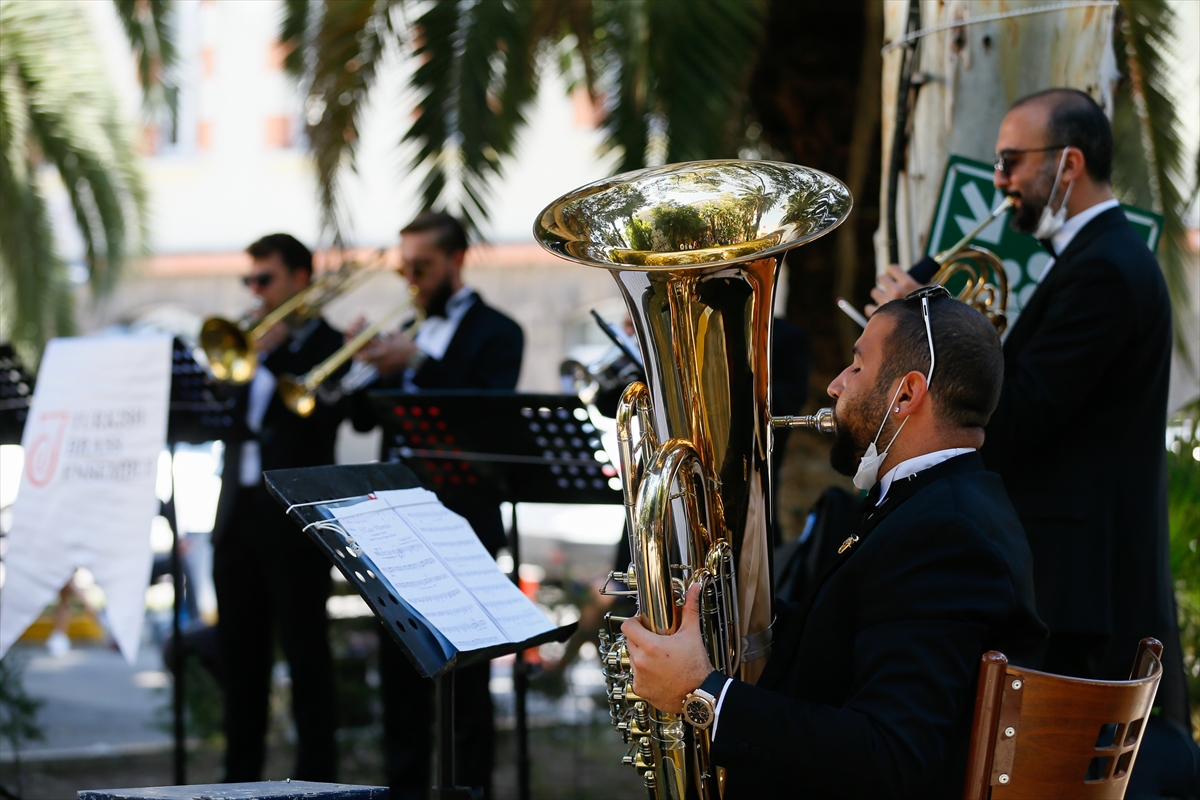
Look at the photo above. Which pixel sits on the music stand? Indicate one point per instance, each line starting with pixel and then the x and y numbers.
pixel 198 412
pixel 485 447
pixel 301 491
pixel 16 392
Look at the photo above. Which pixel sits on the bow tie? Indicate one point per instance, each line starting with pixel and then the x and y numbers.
pixel 867 506
pixel 1048 244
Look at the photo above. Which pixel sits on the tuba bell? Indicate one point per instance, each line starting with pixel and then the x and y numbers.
pixel 695 250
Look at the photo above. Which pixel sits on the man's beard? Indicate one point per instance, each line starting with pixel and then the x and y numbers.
pixel 855 430
pixel 1026 216
pixel 437 302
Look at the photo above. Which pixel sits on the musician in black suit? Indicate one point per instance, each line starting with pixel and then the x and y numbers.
pixel 1078 433
pixel 462 344
pixel 269 576
pixel 869 690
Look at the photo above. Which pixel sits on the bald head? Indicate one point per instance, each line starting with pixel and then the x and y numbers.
pixel 1073 119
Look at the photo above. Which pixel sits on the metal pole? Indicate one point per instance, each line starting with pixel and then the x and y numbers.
pixel 445 710
pixel 177 654
pixel 520 677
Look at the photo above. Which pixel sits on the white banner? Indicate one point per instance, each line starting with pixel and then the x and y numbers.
pixel 95 430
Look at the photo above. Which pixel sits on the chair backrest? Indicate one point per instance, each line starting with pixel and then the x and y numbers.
pixel 1038 735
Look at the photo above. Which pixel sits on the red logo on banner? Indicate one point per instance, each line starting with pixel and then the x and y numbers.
pixel 42 460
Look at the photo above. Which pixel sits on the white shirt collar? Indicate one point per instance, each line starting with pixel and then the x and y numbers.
pixel 1075 224
pixel 912 466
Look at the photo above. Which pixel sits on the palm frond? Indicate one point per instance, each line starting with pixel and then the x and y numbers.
pixel 1149 163
pixel 148 26
pixel 476 78
pixel 59 111
pixel 335 50
pixel 682 66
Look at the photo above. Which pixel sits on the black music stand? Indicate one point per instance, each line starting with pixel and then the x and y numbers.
pixel 429 653
pixel 199 411
pixel 485 447
pixel 16 392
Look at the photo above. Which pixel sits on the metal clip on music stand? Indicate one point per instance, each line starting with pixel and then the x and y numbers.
pixel 494 447
pixel 292 487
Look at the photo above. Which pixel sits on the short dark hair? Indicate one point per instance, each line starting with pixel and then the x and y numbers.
pixel 1076 120
pixel 294 255
pixel 449 234
pixel 970 364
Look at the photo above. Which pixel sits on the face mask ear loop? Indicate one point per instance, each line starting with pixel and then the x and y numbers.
pixel 1062 162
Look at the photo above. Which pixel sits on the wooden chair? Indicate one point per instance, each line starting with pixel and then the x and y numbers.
pixel 1038 735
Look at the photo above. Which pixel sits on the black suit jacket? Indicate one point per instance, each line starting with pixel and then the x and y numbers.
pixel 1078 439
pixel 286 440
pixel 870 688
pixel 484 353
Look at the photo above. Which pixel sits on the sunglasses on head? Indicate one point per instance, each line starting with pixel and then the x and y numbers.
pixel 262 280
pixel 925 294
pixel 1005 158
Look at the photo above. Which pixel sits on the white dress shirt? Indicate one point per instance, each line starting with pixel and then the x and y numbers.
pixel 433 339
pixel 902 470
pixel 1073 226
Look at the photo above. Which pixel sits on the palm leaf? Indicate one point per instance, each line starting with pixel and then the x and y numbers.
pixel 681 65
pixel 1149 163
pixel 476 78
pixel 148 27
pixel 336 57
pixel 59 111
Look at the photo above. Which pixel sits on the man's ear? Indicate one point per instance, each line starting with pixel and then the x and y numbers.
pixel 913 392
pixel 1074 166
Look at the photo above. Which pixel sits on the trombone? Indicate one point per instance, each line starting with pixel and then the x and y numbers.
pixel 299 394
pixel 231 346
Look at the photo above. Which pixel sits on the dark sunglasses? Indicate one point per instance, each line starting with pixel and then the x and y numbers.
pixel 262 280
pixel 929 292
pixel 1004 159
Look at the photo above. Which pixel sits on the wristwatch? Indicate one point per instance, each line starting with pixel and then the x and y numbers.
pixel 700 706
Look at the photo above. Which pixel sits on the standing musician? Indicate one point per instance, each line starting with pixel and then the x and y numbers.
pixel 268 574
pixel 462 344
pixel 869 690
pixel 1078 433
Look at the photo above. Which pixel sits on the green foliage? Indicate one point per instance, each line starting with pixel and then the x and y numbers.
pixel 671 76
pixel 18 711
pixel 58 111
pixel 1150 166
pixel 1183 509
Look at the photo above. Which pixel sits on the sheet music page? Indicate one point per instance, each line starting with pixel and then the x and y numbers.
pixel 418 575
pixel 405 531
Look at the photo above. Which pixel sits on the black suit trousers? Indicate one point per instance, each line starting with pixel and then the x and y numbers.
pixel 269 577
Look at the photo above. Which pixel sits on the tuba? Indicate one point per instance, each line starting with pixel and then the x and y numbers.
pixel 694 249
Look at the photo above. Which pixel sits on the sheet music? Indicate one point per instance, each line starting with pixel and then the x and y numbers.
pixel 434 560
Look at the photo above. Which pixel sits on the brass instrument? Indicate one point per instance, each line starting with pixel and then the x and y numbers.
pixel 694 249
pixel 586 381
pixel 300 394
pixel 231 346
pixel 986 289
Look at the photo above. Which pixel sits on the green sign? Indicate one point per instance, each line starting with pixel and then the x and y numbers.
pixel 967 198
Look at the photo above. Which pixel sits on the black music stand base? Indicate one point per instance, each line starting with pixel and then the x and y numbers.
pixel 444 788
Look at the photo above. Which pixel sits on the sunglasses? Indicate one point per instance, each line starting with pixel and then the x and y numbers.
pixel 925 295
pixel 262 280
pixel 1005 160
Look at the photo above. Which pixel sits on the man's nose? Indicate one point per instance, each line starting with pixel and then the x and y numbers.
pixel 834 389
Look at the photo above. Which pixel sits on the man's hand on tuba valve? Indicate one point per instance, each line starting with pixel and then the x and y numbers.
pixel 667 668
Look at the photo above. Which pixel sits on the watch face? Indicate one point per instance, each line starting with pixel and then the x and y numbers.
pixel 698 712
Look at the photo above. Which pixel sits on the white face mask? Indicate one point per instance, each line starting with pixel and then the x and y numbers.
pixel 868 469
pixel 1051 222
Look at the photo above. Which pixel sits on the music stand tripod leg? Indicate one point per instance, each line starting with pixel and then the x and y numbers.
pixel 179 657
pixel 444 788
pixel 520 678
